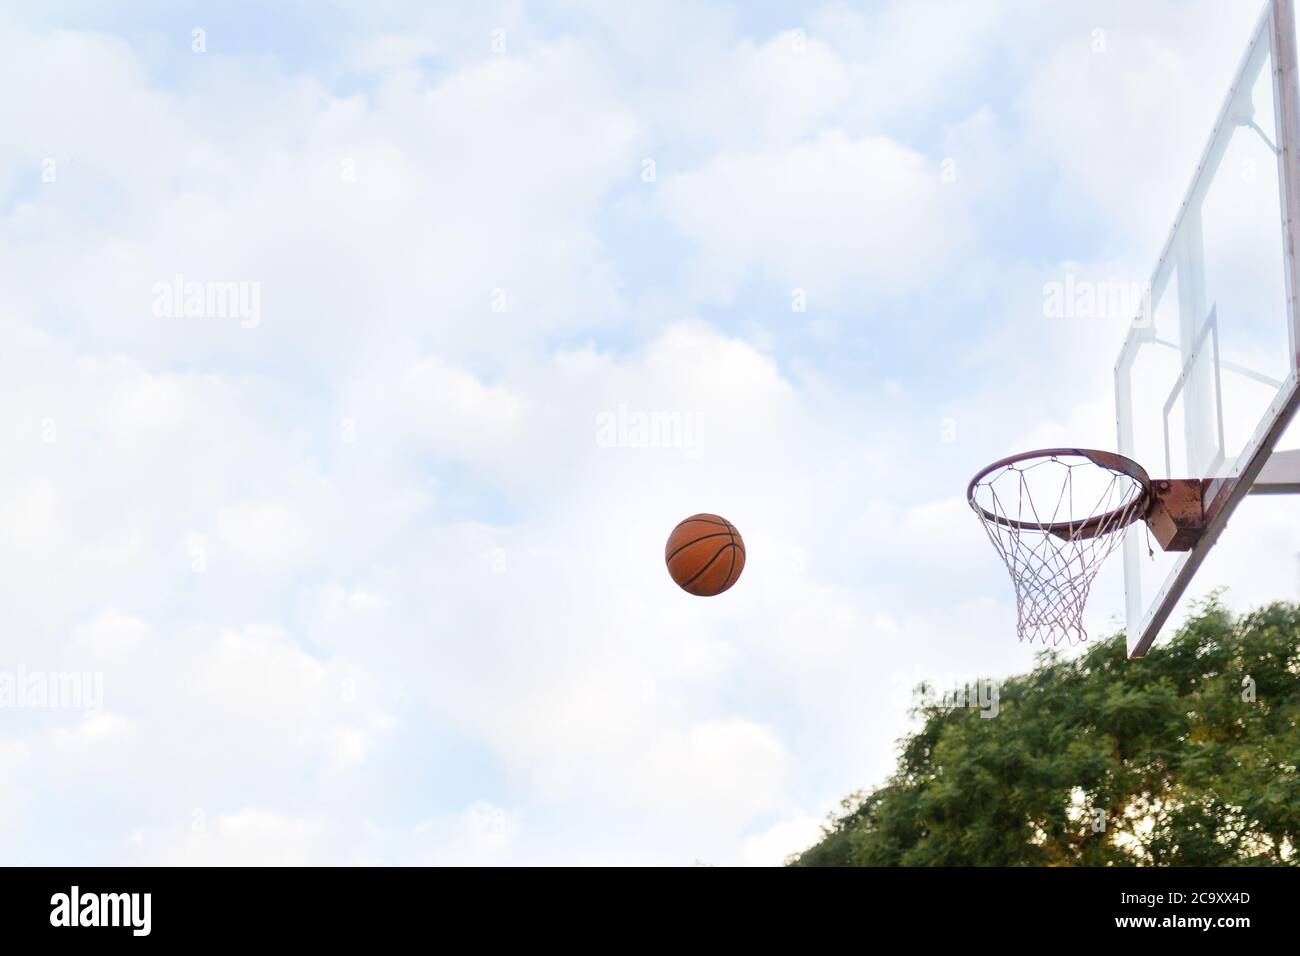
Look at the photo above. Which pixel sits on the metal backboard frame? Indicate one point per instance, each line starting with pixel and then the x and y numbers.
pixel 1195 384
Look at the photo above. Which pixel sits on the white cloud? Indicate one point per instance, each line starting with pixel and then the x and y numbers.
pixel 724 772
pixel 454 409
pixel 814 216
pixel 266 533
pixel 110 635
pixel 481 834
pixel 891 77
pixel 31 518
pixel 777 91
pixel 248 837
pixel 772 846
pixel 15 757
pixel 95 739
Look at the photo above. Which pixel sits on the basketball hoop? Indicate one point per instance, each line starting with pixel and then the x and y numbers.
pixel 1055 515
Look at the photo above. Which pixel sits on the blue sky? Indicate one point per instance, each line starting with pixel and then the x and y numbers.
pixel 361 582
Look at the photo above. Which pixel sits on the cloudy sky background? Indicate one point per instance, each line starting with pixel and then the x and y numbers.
pixel 364 583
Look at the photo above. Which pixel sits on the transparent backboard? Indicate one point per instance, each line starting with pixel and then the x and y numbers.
pixel 1207 378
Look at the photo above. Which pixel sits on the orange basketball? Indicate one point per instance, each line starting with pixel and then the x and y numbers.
pixel 705 555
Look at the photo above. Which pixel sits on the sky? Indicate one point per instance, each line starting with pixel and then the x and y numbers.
pixel 367 568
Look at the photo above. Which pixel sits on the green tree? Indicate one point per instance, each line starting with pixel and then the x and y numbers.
pixel 1186 757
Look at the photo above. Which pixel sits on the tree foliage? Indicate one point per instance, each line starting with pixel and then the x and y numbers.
pixel 1185 757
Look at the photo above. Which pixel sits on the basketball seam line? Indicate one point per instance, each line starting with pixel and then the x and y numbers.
pixel 735 534
pixel 724 523
pixel 727 582
pixel 692 578
pixel 703 537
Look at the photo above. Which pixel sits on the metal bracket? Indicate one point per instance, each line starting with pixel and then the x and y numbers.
pixel 1177 515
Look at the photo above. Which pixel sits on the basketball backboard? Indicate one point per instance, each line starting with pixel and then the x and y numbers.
pixel 1208 377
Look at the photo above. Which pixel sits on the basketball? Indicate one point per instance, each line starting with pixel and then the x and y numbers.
pixel 705 555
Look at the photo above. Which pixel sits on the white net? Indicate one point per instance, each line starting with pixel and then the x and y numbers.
pixel 1054 518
